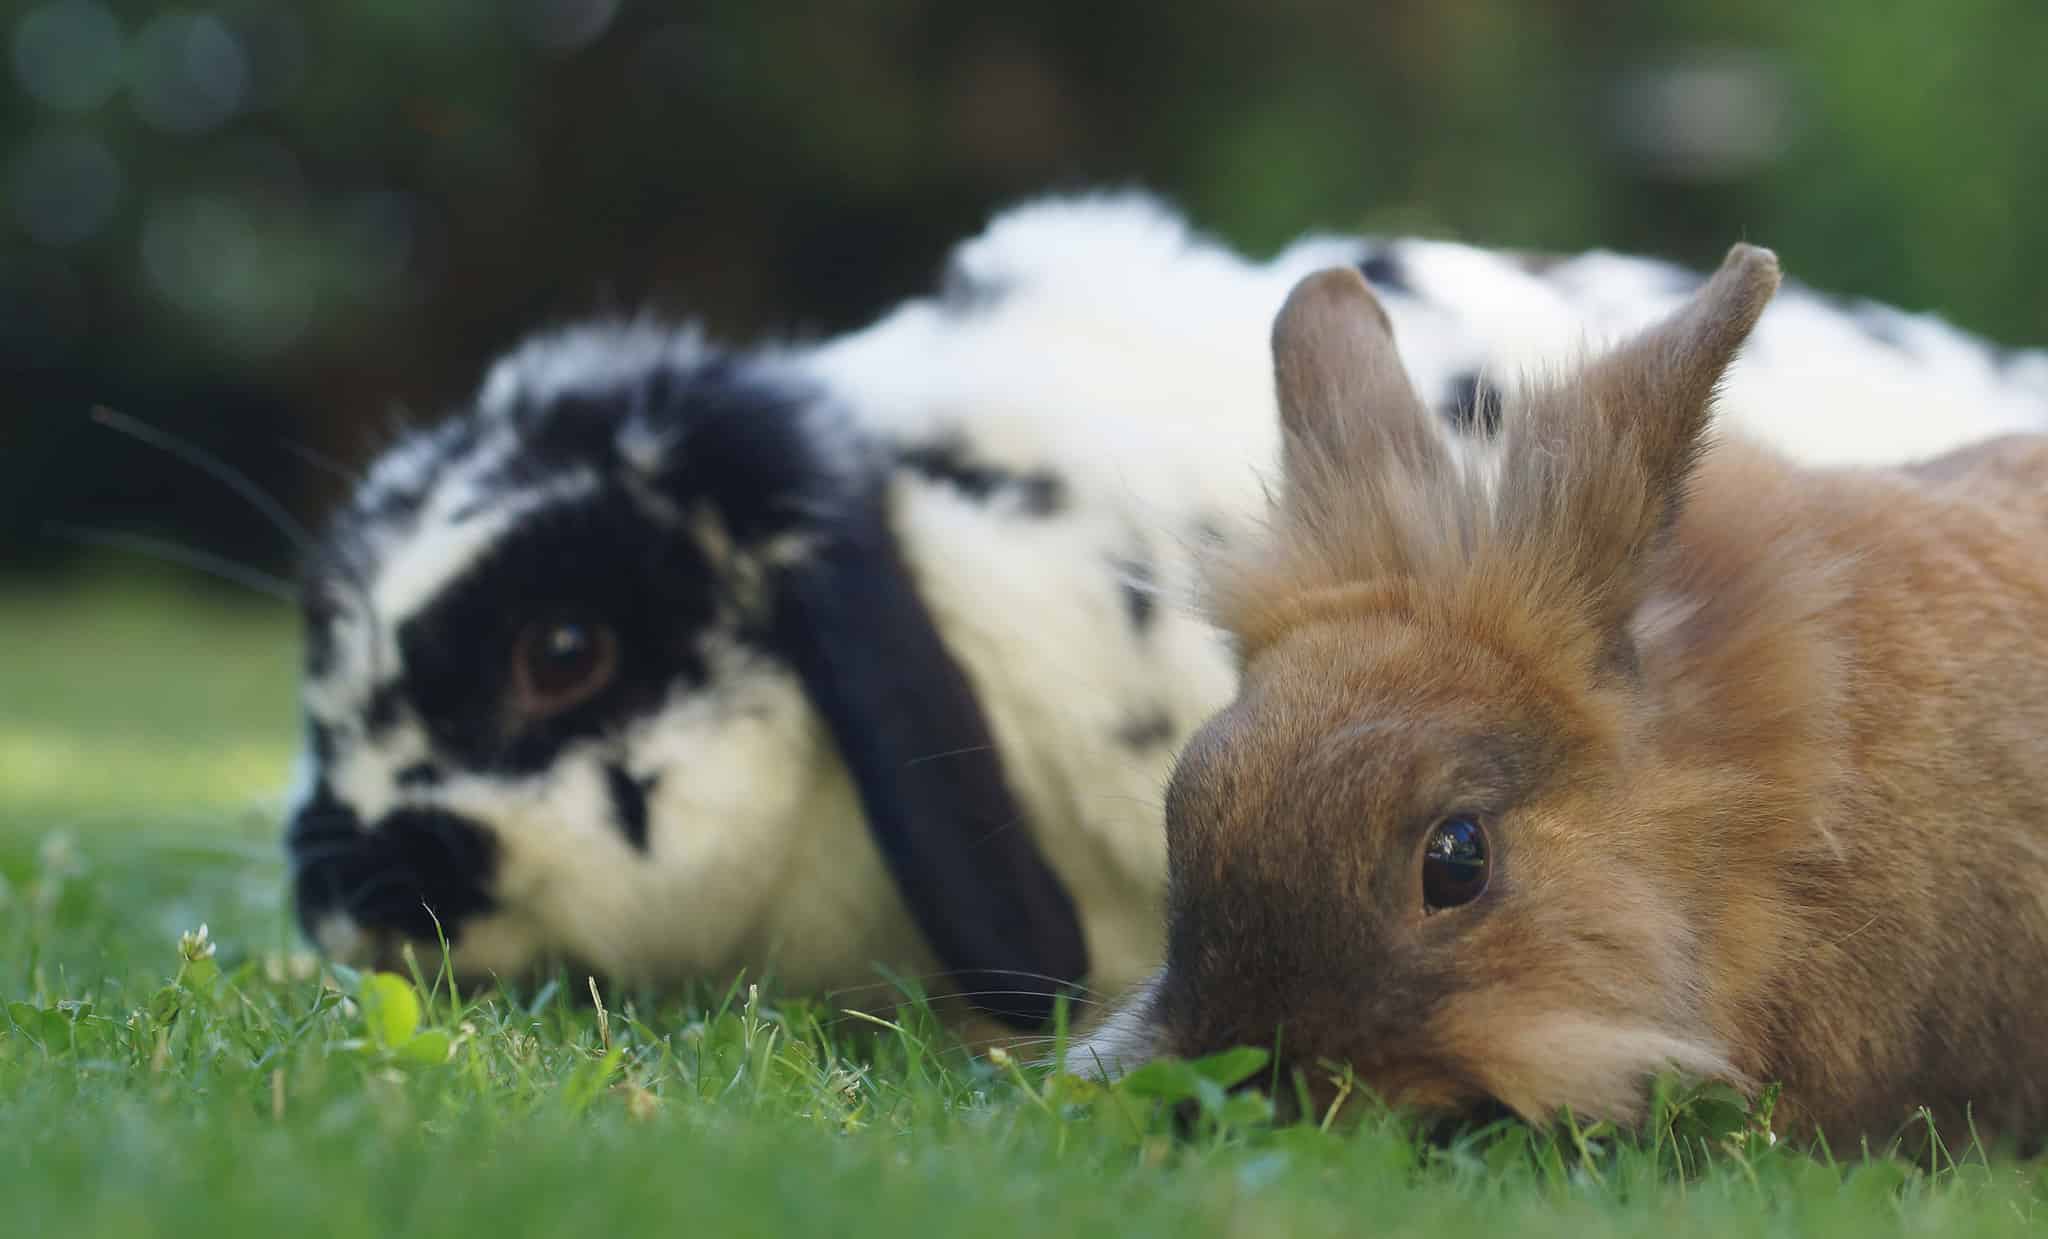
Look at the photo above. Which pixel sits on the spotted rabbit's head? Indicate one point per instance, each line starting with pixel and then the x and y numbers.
pixel 623 666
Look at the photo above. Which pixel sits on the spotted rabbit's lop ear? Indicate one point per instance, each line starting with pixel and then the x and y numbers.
pixel 911 731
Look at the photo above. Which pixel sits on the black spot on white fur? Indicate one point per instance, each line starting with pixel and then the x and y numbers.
pixel 963 293
pixel 1473 404
pixel 1034 492
pixel 1884 325
pixel 419 775
pixel 1135 578
pixel 1384 271
pixel 1147 730
pixel 629 804
pixel 1539 263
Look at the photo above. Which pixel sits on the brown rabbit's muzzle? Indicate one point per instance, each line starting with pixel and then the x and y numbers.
pixel 1311 966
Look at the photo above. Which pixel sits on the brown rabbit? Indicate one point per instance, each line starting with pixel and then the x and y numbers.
pixel 1616 749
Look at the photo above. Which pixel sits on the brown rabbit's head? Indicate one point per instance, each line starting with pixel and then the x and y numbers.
pixel 1433 837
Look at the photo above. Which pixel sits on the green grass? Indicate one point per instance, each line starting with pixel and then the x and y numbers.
pixel 147 1087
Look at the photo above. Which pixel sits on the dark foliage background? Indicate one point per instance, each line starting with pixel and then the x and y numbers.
pixel 260 223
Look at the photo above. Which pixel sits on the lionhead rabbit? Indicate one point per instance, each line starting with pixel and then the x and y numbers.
pixel 1618 748
pixel 674 660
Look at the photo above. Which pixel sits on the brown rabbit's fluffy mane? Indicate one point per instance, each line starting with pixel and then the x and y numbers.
pixel 1651 586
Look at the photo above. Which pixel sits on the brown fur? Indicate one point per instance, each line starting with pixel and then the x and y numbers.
pixel 1762 753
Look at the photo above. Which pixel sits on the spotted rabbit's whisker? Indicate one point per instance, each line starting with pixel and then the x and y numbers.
pixel 253 579
pixel 213 466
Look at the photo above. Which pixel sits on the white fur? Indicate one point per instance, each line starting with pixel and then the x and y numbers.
pixel 1123 1040
pixel 1101 342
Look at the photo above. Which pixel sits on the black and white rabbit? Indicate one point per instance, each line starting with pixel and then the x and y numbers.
pixel 674 660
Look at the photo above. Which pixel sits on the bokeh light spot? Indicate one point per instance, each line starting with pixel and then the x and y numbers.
pixel 243 278
pixel 67 55
pixel 188 74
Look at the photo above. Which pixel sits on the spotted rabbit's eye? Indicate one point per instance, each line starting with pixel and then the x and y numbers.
pixel 562 660
pixel 1453 864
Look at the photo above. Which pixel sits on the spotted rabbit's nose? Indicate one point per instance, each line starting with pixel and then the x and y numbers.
pixel 417 873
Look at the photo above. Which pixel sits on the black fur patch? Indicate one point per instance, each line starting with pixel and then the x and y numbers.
pixel 421 774
pixel 739 448
pixel 629 804
pixel 1043 493
pixel 383 710
pixel 1037 492
pixel 1474 404
pixel 652 586
pixel 447 442
pixel 748 450
pixel 417 868
pixel 318 614
pixel 905 719
pixel 319 741
pixel 1385 273
pixel 737 440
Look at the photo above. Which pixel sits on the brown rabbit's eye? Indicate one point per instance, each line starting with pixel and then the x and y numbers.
pixel 1453 864
pixel 560 661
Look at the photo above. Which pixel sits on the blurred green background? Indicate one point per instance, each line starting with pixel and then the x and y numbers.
pixel 256 221
pixel 273 227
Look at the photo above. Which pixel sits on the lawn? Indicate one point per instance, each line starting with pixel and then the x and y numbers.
pixel 155 1083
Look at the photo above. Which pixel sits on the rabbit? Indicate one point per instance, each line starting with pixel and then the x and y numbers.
pixel 671 660
pixel 1620 745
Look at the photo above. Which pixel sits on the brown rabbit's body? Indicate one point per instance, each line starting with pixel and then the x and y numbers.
pixel 1901 955
pixel 1617 751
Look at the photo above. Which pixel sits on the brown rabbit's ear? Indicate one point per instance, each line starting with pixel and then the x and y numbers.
pixel 1598 467
pixel 1345 399
pixel 1659 388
